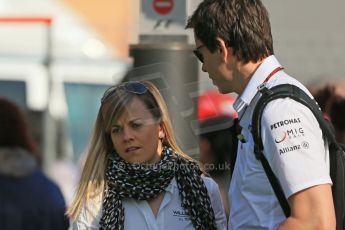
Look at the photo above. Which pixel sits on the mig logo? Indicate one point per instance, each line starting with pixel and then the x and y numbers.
pixel 281 139
pixel 289 134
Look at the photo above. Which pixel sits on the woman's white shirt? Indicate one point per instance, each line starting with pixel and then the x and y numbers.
pixel 138 214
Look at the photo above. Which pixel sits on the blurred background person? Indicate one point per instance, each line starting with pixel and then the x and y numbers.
pixel 337 113
pixel 216 140
pixel 28 199
pixel 331 99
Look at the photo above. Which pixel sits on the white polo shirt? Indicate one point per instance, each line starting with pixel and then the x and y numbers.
pixel 138 214
pixel 293 146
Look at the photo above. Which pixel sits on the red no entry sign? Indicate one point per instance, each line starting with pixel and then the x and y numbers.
pixel 163 6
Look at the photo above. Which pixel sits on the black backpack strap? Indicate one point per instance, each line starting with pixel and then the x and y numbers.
pixel 295 93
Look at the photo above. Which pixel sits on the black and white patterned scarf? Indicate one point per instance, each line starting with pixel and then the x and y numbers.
pixel 143 182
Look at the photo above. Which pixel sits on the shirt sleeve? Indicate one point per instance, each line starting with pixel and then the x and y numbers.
pixel 294 146
pixel 216 202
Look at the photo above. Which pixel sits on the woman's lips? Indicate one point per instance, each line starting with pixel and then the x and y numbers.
pixel 131 149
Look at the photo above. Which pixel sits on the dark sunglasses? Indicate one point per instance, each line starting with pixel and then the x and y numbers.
pixel 198 54
pixel 135 87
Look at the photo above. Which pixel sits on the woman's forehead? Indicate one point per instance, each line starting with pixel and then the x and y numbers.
pixel 135 109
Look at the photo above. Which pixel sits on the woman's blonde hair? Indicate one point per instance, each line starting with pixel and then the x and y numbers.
pixel 92 181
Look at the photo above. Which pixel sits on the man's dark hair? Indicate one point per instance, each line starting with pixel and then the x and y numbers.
pixel 243 24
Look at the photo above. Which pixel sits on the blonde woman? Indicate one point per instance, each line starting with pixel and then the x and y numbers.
pixel 135 176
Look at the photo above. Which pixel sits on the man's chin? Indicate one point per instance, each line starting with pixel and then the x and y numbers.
pixel 222 89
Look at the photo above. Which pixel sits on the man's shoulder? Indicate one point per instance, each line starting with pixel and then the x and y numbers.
pixel 284 78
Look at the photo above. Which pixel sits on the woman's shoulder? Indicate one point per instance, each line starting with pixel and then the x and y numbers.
pixel 90 214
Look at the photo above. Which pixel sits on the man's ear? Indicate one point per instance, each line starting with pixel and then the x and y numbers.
pixel 223 49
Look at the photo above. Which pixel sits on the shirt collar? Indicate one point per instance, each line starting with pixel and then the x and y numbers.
pixel 259 76
pixel 172 186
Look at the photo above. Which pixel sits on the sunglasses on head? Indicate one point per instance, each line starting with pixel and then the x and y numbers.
pixel 198 54
pixel 135 87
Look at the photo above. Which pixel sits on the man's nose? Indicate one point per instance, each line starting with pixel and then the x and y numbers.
pixel 203 68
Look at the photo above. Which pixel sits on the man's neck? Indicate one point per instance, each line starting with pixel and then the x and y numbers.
pixel 247 71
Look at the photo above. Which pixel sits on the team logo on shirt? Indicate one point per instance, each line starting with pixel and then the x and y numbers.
pixel 304 145
pixel 289 149
pixel 181 215
pixel 285 122
pixel 281 139
pixel 289 134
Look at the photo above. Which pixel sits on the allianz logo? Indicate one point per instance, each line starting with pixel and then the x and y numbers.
pixel 289 149
pixel 304 145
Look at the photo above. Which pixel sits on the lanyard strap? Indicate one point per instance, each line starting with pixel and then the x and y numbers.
pixel 272 73
pixel 262 86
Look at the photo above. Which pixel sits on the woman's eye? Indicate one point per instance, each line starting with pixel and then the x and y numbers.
pixel 115 130
pixel 136 125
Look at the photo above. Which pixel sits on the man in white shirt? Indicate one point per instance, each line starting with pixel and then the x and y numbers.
pixel 234 43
